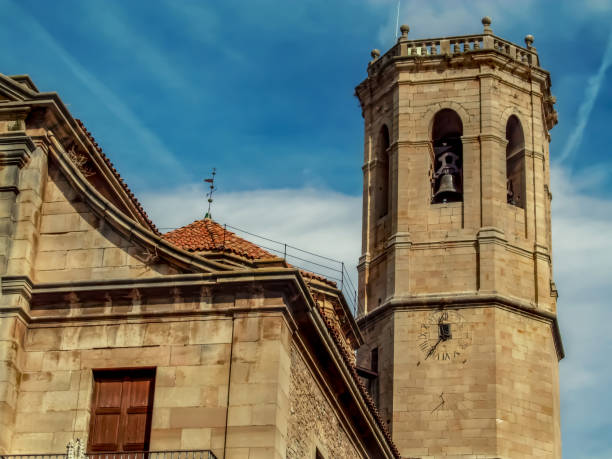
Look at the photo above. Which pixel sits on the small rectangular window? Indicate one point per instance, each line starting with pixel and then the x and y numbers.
pixel 121 410
pixel 373 383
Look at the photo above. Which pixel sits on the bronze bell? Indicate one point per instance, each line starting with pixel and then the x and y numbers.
pixel 447 191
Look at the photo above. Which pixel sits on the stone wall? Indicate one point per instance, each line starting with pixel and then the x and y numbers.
pixel 76 244
pixel 527 374
pixel 444 407
pixel 498 396
pixel 313 423
pixel 192 361
pixel 12 332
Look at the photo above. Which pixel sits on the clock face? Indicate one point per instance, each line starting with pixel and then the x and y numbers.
pixel 444 336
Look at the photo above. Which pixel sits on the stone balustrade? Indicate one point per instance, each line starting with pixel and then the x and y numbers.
pixel 449 47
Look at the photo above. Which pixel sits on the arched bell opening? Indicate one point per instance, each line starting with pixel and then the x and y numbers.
pixel 447 177
pixel 515 163
pixel 382 173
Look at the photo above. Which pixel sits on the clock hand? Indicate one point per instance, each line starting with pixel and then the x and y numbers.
pixel 433 348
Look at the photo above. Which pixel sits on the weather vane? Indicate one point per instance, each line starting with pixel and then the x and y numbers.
pixel 209 195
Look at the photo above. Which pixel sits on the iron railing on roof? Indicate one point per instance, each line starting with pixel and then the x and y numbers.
pixel 329 268
pixel 178 454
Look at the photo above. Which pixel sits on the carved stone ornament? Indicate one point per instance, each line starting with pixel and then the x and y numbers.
pixel 80 161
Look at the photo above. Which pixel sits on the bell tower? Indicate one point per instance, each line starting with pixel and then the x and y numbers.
pixel 457 299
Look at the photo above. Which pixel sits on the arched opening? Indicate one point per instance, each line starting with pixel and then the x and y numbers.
pixel 447 178
pixel 515 163
pixel 382 173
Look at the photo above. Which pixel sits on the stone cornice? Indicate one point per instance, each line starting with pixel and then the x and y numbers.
pixel 190 284
pixel 368 98
pixel 491 235
pixel 399 240
pixel 444 244
pixel 14 90
pixel 14 113
pixel 17 285
pixel 466 139
pixel 487 235
pixel 466 300
pixel 15 149
pixel 534 154
pixel 490 137
pixel 413 143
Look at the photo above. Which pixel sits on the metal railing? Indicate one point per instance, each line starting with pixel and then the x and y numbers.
pixel 329 268
pixel 179 454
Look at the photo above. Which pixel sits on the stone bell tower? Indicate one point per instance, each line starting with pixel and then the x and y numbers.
pixel 457 299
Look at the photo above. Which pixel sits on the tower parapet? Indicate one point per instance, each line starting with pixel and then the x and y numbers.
pixel 454 51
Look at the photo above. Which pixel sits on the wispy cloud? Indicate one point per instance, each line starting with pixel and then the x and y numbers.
pixel 201 25
pixel 105 96
pixel 119 33
pixel 582 254
pixel 586 107
pixel 437 18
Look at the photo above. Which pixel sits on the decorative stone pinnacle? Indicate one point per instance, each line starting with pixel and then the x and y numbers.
pixel 375 54
pixel 486 22
pixel 529 40
pixel 404 37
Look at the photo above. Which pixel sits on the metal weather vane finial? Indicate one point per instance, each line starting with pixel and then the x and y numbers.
pixel 212 189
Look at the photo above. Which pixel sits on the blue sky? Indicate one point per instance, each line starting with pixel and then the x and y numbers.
pixel 263 91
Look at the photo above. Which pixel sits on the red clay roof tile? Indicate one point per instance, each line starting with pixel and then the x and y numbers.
pixel 208 236
pixel 108 162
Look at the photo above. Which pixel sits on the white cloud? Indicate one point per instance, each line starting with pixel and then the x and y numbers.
pixel 586 107
pixel 201 24
pixel 582 254
pixel 437 18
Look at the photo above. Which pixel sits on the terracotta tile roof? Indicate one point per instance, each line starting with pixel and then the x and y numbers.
pixel 208 236
pixel 131 195
pixel 318 277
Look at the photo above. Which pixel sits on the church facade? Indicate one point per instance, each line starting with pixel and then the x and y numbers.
pixel 198 344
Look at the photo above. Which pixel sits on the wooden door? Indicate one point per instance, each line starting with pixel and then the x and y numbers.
pixel 121 411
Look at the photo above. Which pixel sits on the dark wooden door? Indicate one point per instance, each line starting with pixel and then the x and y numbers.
pixel 121 410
